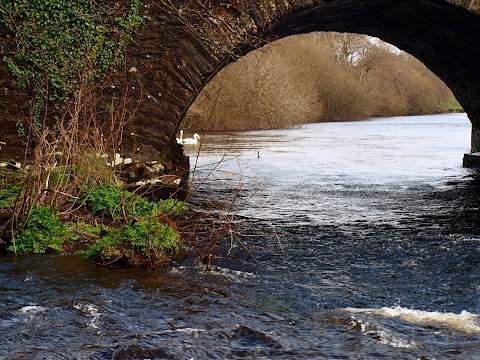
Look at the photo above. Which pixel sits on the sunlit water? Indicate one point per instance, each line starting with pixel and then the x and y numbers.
pixel 377 257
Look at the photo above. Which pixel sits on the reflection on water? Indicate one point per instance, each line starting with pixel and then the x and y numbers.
pixel 379 258
pixel 325 172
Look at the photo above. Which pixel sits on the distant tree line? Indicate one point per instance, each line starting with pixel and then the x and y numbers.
pixel 314 78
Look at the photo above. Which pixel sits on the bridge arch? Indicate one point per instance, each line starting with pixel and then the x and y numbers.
pixel 185 43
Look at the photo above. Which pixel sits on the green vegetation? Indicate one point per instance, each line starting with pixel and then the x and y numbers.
pixel 140 230
pixel 146 241
pixel 123 227
pixel 117 203
pixel 39 231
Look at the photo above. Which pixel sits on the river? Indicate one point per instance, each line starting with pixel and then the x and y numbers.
pixel 361 240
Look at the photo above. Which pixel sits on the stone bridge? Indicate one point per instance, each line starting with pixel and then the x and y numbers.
pixel 186 42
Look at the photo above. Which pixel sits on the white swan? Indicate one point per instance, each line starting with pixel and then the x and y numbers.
pixel 180 139
pixel 191 141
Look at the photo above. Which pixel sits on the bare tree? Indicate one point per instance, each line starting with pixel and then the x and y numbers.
pixel 316 77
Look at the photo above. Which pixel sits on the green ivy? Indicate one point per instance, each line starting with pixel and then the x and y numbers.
pixel 57 43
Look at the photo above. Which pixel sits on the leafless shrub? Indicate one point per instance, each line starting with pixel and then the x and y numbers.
pixel 71 156
pixel 316 77
pixel 258 89
pixel 401 85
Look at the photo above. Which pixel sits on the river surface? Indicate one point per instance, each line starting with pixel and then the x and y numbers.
pixel 361 241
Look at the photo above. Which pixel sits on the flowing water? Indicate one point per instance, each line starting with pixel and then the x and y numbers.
pixel 377 256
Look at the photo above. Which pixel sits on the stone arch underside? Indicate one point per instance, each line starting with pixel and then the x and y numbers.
pixel 186 42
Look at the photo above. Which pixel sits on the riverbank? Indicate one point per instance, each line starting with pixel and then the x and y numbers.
pixel 110 219
pixel 452 107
